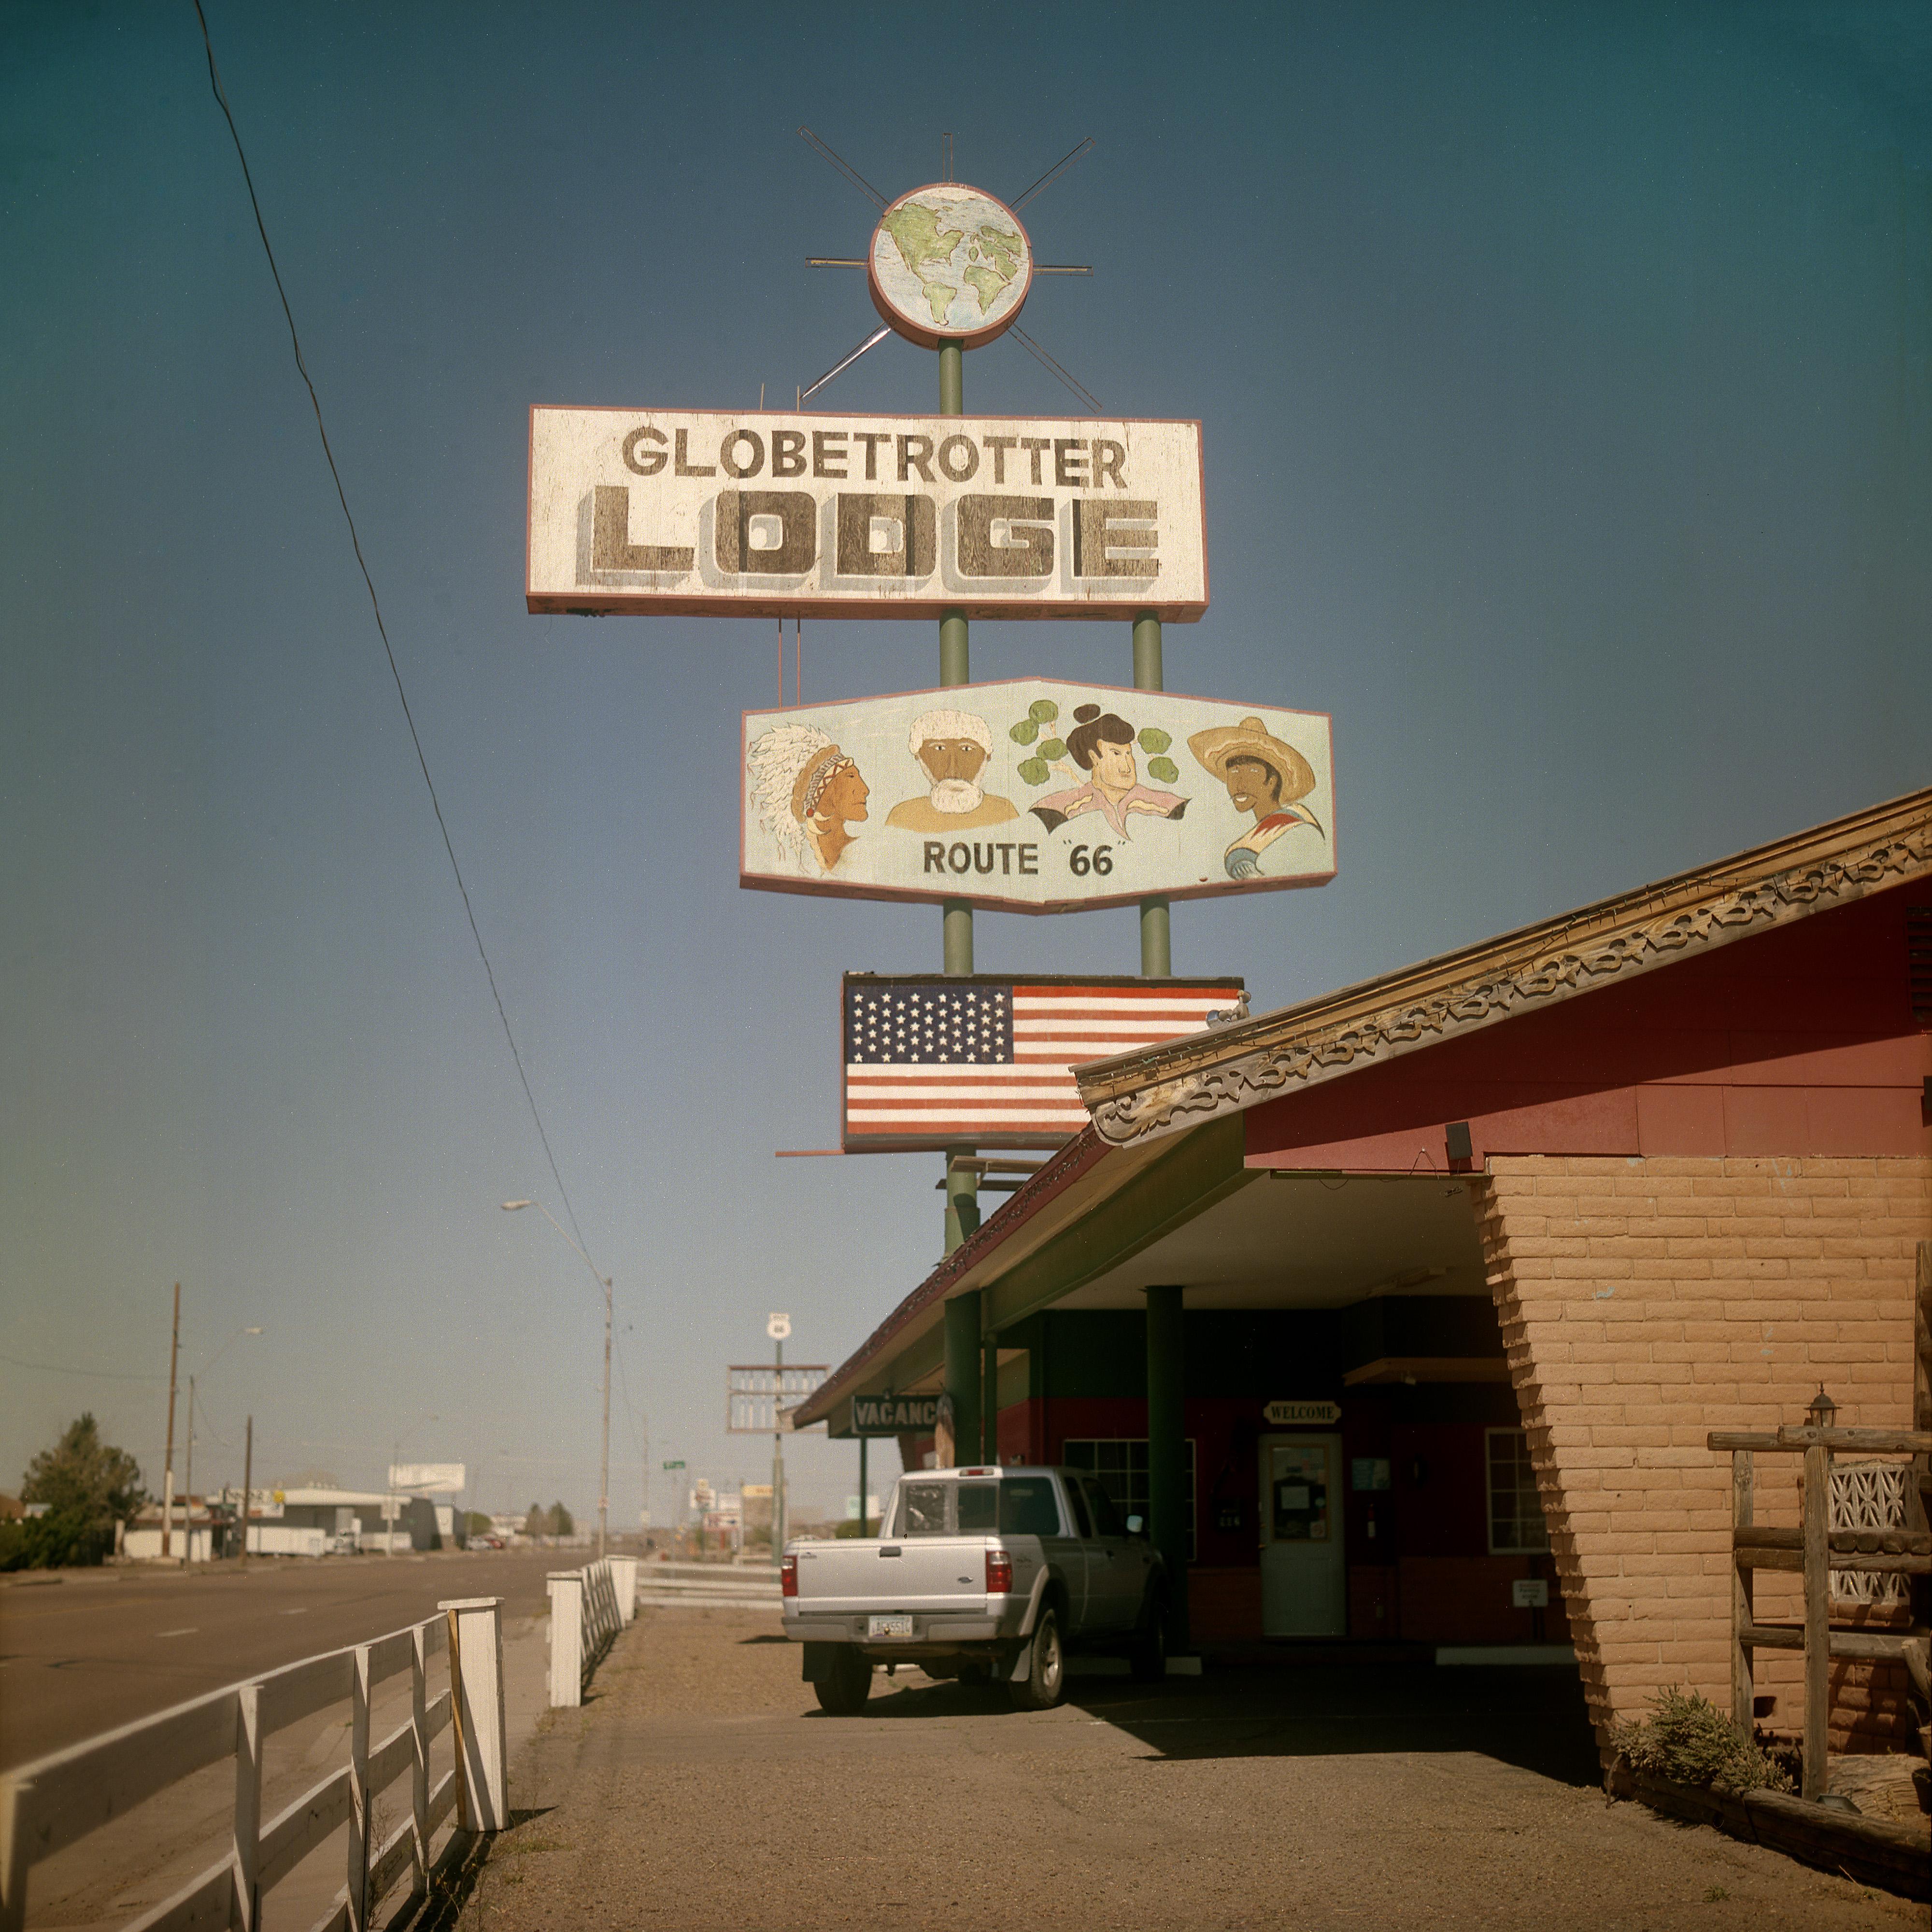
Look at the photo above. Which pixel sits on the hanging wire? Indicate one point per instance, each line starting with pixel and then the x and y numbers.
pixel 355 542
pixel 1040 356
pixel 851 173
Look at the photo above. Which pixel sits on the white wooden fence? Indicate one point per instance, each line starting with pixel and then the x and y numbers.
pixel 588 1607
pixel 47 1805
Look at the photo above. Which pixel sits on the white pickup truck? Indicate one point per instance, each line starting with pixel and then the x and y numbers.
pixel 989 1575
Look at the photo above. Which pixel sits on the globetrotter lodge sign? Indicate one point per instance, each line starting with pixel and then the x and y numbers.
pixel 685 512
pixel 1036 796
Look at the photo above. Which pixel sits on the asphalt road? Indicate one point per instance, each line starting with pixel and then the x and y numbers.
pixel 87 1651
pixel 700 1789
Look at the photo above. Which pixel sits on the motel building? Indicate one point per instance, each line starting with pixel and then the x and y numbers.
pixel 1405 1312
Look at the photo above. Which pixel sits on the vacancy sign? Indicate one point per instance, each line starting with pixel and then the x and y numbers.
pixel 678 512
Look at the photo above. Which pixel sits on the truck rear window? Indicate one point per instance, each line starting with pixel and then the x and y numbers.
pixel 1017 1506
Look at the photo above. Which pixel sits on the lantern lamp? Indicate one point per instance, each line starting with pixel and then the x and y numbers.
pixel 1822 1408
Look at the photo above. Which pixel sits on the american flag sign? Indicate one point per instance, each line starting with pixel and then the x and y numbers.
pixel 936 1062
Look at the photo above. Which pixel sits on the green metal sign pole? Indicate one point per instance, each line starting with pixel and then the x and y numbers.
pixel 864 1520
pixel 778 1465
pixel 1156 942
pixel 962 1204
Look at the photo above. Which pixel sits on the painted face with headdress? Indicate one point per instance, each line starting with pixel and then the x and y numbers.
pixel 808 791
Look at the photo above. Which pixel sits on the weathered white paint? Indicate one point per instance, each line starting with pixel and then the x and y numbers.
pixel 1047 833
pixel 759 513
pixel 483 1724
pixel 49 1803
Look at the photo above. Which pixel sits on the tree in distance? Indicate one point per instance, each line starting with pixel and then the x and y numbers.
pixel 476 1523
pixel 561 1522
pixel 87 1486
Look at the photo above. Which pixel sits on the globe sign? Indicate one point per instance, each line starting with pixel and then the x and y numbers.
pixel 948 263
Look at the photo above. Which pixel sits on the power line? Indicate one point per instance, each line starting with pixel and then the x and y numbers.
pixel 342 496
pixel 61 1369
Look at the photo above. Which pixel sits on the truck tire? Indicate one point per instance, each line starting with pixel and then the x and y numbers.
pixel 1046 1683
pixel 1147 1659
pixel 845 1688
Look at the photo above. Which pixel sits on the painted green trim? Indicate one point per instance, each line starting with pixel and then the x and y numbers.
pixel 1202 1167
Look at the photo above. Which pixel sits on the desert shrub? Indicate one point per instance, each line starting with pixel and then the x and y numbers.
pixel 1689 1741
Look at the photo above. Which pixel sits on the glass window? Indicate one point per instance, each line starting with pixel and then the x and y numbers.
pixel 1027 1507
pixel 1106 1518
pixel 1516 1511
pixel 923 1509
pixel 1119 1465
pixel 1081 1527
pixel 978 1507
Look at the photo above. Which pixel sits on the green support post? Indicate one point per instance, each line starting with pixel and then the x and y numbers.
pixel 955 918
pixel 962 1373
pixel 989 1400
pixel 1167 1450
pixel 865 1519
pixel 1156 938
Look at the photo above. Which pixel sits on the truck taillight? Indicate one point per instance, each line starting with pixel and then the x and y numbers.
pixel 999 1573
pixel 788 1575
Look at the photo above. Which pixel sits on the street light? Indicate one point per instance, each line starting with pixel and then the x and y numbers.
pixel 187 1474
pixel 603 1282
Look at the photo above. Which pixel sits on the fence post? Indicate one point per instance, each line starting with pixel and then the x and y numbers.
pixel 358 1790
pixel 1743 1612
pixel 15 1797
pixel 248 1866
pixel 419 1766
pixel 566 1638
pixel 476 1702
pixel 1817 1620
pixel 624 1571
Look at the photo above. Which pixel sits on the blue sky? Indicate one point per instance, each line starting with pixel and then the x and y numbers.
pixel 1566 381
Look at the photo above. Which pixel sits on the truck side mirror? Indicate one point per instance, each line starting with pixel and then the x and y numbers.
pixel 1137 1526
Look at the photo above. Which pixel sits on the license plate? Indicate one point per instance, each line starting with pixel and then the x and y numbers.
pixel 899 1624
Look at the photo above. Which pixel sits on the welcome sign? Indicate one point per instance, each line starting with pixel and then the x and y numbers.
pixel 1036 796
pixel 671 512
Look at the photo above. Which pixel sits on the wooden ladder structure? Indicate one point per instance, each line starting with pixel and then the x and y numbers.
pixel 1814 1549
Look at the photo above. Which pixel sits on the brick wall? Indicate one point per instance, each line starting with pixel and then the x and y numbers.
pixel 1645 1302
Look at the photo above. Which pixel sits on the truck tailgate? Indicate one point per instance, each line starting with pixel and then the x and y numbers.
pixel 919 1573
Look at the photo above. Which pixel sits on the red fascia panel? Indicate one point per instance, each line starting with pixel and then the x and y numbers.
pixel 1800 1042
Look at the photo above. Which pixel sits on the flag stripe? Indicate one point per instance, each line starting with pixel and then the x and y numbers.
pixel 927 1061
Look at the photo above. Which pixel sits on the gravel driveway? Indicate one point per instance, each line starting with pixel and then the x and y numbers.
pixel 702 1789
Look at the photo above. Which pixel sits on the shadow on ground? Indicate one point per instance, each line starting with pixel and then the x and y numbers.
pixel 1533 1718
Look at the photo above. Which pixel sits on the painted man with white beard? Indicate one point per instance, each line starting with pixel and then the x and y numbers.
pixel 952 748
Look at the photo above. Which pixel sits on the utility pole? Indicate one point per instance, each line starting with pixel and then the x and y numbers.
pixel 604 1479
pixel 187 1484
pixel 168 1486
pixel 248 1477
pixel 778 1457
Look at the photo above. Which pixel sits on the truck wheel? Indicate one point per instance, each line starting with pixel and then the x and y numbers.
pixel 1046 1680
pixel 844 1690
pixel 1148 1657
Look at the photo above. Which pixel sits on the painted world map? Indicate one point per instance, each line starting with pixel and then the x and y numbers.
pixel 951 257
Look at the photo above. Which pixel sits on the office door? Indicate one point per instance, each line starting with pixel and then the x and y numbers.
pixel 1304 1579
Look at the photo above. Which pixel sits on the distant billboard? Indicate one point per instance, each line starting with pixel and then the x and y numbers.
pixel 427 1479
pixel 1035 795
pixel 760 513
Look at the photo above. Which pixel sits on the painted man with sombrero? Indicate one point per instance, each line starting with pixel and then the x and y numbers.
pixel 1263 776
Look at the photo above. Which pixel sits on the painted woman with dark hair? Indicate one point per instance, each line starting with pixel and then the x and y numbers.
pixel 1103 746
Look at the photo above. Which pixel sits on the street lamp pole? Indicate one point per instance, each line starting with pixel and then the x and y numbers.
pixel 603 1281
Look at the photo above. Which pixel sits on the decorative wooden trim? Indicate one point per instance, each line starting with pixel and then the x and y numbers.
pixel 1136 1097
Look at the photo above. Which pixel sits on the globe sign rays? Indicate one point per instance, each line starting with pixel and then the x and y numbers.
pixel 948 263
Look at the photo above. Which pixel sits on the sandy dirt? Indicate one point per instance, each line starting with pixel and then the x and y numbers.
pixel 701 1788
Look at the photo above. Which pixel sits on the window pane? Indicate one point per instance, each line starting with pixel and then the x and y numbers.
pixel 1106 1519
pixel 979 1507
pixel 1081 1526
pixel 1027 1508
pixel 923 1509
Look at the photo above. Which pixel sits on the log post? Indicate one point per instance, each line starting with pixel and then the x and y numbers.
pixel 1743 1690
pixel 1817 1620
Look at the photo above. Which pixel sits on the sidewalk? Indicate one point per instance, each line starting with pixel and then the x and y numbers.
pixel 701 1789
